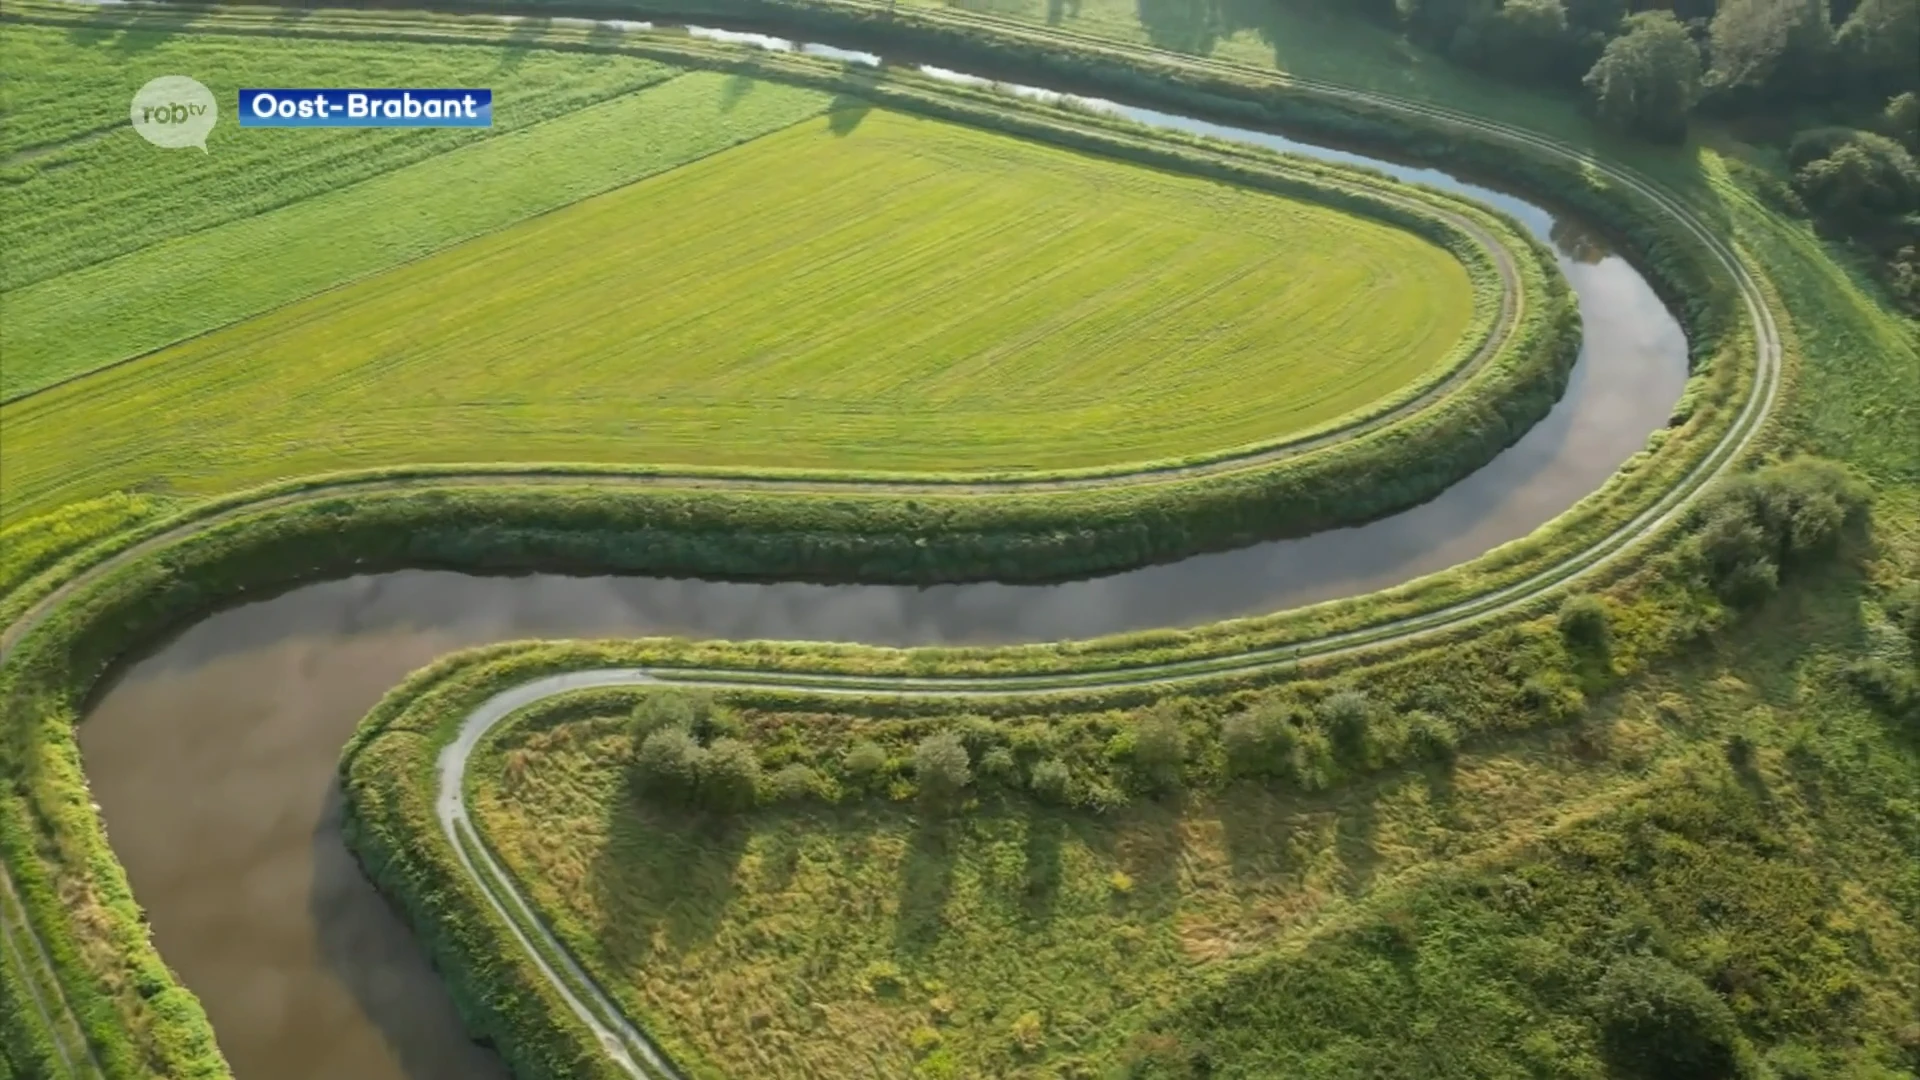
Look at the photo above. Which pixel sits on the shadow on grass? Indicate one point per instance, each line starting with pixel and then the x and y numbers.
pixel 129 33
pixel 846 112
pixel 664 880
pixel 926 883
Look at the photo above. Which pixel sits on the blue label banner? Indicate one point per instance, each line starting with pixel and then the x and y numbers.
pixel 376 108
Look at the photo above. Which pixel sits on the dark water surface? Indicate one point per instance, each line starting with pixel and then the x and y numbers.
pixel 213 759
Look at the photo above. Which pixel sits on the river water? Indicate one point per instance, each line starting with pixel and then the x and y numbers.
pixel 213 757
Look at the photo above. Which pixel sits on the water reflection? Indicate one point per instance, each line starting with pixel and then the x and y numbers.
pixel 213 760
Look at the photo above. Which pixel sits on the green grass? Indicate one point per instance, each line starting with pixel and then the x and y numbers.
pixel 169 291
pixel 37 543
pixel 1374 926
pixel 78 186
pixel 867 290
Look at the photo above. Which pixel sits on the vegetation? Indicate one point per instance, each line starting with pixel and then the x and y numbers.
pixel 1852 364
pixel 80 194
pixel 231 270
pixel 1292 921
pixel 787 363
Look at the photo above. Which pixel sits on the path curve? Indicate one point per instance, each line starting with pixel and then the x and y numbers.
pixel 629 1047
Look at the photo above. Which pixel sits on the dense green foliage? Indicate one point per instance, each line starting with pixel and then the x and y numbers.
pixel 1648 78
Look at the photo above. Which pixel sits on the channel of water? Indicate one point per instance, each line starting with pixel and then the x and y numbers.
pixel 213 757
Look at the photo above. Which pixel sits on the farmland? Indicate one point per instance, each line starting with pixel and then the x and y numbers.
pixel 1663 749
pixel 740 310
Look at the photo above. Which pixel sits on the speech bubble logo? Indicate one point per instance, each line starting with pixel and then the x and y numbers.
pixel 174 112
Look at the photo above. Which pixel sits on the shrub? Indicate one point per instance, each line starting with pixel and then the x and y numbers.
pixel 729 776
pixel 1310 766
pixel 1751 528
pixel 1257 741
pixel 793 783
pixel 1431 737
pixel 865 763
pixel 661 709
pixel 1584 623
pixel 1052 782
pixel 1345 716
pixel 998 764
pixel 1659 1022
pixel 668 764
pixel 1853 175
pixel 1886 686
pixel 1159 748
pixel 940 767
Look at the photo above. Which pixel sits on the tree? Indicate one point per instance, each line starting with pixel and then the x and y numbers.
pixel 1661 1023
pixel 865 763
pixel 1770 48
pixel 668 764
pixel 1526 40
pixel 1583 623
pixel 1647 79
pixel 1160 748
pixel 729 776
pixel 1257 741
pixel 1902 120
pixel 1052 782
pixel 1879 47
pixel 1853 177
pixel 1346 716
pixel 941 767
pixel 662 709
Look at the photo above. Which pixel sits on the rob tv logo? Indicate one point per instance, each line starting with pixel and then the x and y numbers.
pixel 174 112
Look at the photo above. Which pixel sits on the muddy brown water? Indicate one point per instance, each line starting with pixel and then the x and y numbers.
pixel 213 757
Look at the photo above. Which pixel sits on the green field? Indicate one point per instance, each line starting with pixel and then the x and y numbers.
pixel 1445 919
pixel 863 290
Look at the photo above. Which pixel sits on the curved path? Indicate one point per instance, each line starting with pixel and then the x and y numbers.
pixel 625 1044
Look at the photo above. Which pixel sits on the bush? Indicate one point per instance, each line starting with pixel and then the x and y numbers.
pixel 941 767
pixel 1346 716
pixel 794 783
pixel 865 763
pixel 729 776
pixel 660 709
pixel 1431 737
pixel 1886 686
pixel 998 765
pixel 1257 741
pixel 669 763
pixel 1584 623
pixel 1853 176
pixel 1311 766
pixel 1752 527
pixel 1658 1022
pixel 1159 748
pixel 1052 782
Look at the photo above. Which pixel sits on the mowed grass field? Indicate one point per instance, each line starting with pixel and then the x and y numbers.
pixel 863 290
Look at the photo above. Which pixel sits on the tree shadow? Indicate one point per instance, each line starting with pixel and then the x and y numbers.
pixel 735 90
pixel 129 33
pixel 369 949
pixel 521 41
pixel 1188 26
pixel 846 112
pixel 1041 866
pixel 1149 844
pixel 1060 10
pixel 664 879
pixel 926 883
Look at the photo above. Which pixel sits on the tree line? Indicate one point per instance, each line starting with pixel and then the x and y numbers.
pixel 1833 84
